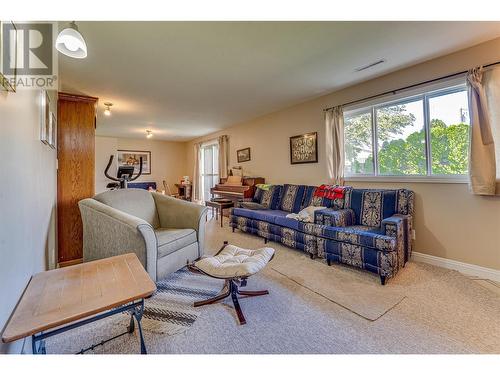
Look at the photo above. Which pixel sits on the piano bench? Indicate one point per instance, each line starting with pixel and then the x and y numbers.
pixel 219 206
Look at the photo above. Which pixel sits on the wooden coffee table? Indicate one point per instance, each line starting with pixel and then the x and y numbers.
pixel 59 300
pixel 219 206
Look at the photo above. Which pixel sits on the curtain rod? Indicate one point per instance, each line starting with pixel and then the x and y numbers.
pixel 210 140
pixel 408 87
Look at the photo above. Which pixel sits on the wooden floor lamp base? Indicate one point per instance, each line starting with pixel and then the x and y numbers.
pixel 231 288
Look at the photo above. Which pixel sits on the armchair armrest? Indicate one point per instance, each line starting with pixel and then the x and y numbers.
pixel 177 213
pixel 400 227
pixel 335 218
pixel 108 232
pixel 394 226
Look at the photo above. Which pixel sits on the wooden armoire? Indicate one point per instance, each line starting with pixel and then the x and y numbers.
pixel 76 119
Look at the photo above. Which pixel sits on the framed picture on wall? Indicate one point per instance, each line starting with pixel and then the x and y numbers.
pixel 243 155
pixel 132 157
pixel 8 72
pixel 304 148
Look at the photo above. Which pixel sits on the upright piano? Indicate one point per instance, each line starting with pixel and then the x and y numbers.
pixel 236 192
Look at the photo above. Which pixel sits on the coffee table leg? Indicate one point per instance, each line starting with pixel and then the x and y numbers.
pixel 131 326
pixel 138 317
pixel 33 344
pixel 41 347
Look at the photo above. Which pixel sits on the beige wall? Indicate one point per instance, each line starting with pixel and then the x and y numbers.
pixel 167 160
pixel 450 222
pixel 27 199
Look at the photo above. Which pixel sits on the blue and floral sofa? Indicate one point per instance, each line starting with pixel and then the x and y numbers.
pixel 366 228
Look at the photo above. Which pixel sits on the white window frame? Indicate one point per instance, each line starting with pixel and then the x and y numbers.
pixel 424 94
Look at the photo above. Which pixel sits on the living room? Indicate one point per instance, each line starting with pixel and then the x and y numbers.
pixel 301 186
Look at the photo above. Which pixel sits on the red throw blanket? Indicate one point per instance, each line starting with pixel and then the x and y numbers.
pixel 330 191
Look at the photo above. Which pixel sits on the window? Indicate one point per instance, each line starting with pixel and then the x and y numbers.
pixel 358 145
pixel 209 168
pixel 420 135
pixel 401 139
pixel 449 131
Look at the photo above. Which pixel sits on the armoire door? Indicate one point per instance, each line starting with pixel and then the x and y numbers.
pixel 75 174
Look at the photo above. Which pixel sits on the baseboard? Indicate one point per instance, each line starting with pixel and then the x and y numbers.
pixel 465 268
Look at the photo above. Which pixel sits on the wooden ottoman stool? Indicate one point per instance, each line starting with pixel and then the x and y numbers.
pixel 234 265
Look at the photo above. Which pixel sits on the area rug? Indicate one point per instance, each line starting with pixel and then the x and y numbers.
pixel 357 291
pixel 170 310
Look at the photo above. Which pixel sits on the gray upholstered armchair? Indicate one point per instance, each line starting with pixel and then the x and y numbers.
pixel 164 232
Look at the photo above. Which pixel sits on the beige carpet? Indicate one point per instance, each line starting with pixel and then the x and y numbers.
pixel 443 312
pixel 349 288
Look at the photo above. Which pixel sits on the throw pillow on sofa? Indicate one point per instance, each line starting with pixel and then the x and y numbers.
pixel 291 198
pixel 268 197
pixel 252 206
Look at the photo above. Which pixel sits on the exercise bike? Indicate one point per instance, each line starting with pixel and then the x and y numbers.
pixel 124 175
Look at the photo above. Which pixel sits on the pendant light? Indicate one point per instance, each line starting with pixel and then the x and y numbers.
pixel 71 43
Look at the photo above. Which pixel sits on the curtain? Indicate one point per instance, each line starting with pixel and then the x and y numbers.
pixel 334 120
pixel 482 166
pixel 492 88
pixel 196 173
pixel 223 156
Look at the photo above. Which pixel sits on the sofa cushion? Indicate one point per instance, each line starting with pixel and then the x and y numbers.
pixel 171 240
pixel 264 215
pixel 291 198
pixel 287 223
pixel 257 196
pixel 281 222
pixel 268 198
pixel 372 206
pixel 135 202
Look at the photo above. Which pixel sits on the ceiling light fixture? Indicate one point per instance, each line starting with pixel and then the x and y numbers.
pixel 371 65
pixel 71 43
pixel 107 111
pixel 149 133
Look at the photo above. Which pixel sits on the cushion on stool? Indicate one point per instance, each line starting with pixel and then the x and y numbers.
pixel 233 261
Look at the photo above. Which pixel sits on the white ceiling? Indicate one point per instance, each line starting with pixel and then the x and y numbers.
pixel 187 79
